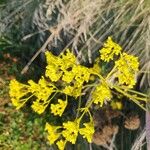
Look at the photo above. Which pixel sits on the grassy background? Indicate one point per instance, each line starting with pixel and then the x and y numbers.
pixel 23 129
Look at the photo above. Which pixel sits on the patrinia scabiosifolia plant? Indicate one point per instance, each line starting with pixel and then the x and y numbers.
pixel 66 77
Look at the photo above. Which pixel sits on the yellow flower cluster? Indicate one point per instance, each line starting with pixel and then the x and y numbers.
pixel 52 68
pixel 53 135
pixel 21 93
pixel 88 131
pixel 116 105
pixel 109 50
pixel 64 76
pixel 58 109
pixel 64 67
pixel 127 67
pixel 80 74
pixel 70 131
pixel 42 91
pixel 18 93
pixel 72 90
pixel 100 94
pixel 61 144
pixel 58 66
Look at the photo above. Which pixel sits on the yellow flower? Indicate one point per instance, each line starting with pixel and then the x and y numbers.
pixel 74 90
pixel 128 62
pixel 81 74
pixel 61 144
pixel 78 75
pixel 128 79
pixel 109 50
pixel 127 67
pixel 68 60
pixel 50 58
pixel 53 67
pixel 101 93
pixel 18 93
pixel 68 76
pixel 116 105
pixel 42 90
pixel 58 65
pixel 53 135
pixel 70 131
pixel 53 72
pixel 39 107
pixel 58 109
pixel 77 72
pixel 88 131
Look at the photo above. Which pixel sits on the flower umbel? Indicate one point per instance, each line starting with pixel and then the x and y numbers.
pixel 18 93
pixel 70 131
pixel 39 107
pixel 74 90
pixel 109 50
pixel 94 85
pixel 42 92
pixel 61 144
pixel 53 71
pixel 88 131
pixel 101 93
pixel 58 109
pixel 53 135
pixel 127 67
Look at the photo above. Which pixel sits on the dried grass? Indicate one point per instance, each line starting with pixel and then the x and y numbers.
pixel 89 23
pixel 140 141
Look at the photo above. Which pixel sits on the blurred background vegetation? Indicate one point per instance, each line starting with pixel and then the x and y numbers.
pixel 29 27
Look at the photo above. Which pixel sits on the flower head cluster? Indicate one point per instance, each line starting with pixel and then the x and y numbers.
pixel 42 91
pixel 100 94
pixel 58 66
pixel 61 144
pixel 116 105
pixel 18 93
pixel 73 90
pixel 53 68
pixel 80 75
pixel 68 60
pixel 109 50
pixel 127 67
pixel 58 109
pixel 88 131
pixel 64 67
pixel 70 131
pixel 53 135
pixel 64 76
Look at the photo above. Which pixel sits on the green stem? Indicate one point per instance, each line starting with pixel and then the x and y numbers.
pixel 129 96
pixel 90 85
pixel 133 96
pixel 49 100
pixel 79 106
pixel 86 109
pixel 111 72
pixel 132 91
